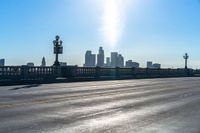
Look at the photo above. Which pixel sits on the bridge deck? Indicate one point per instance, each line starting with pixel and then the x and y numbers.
pixel 147 105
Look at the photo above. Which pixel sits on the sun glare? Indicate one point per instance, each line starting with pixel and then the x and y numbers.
pixel 113 20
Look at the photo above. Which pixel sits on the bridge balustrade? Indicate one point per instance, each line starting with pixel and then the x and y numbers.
pixel 22 73
pixel 15 73
pixel 86 72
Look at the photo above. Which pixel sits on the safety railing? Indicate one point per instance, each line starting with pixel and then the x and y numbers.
pixel 26 73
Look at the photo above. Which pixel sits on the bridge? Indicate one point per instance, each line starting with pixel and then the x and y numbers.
pixel 12 75
pixel 167 105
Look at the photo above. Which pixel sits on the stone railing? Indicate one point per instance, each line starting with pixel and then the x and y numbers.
pixel 22 74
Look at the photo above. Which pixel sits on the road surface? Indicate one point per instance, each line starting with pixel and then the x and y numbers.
pixel 170 105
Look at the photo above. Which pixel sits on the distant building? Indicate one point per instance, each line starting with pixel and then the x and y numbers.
pixel 43 63
pixel 108 63
pixel 120 61
pixel 30 64
pixel 149 64
pixel 131 64
pixel 114 59
pixel 2 62
pixel 157 66
pixel 154 66
pixel 63 63
pixel 90 59
pixel 100 57
pixel 117 60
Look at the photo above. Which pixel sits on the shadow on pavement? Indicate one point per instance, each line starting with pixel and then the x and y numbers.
pixel 26 86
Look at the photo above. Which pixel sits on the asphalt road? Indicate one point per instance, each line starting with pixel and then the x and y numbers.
pixel 123 106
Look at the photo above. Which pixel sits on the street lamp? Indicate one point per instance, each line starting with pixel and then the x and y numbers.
pixel 186 57
pixel 58 49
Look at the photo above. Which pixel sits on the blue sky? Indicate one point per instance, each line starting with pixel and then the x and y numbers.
pixel 157 30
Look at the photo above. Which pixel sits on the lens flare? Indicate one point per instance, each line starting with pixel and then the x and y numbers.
pixel 113 20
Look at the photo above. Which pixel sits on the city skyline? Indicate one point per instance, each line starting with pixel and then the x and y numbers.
pixel 158 31
pixel 100 60
pixel 114 60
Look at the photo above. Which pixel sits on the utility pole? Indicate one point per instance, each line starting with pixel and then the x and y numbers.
pixel 186 57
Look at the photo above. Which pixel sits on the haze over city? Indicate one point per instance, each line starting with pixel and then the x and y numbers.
pixel 99 66
pixel 148 30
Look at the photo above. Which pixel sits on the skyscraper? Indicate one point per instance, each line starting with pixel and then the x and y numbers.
pixel 2 62
pixel 100 57
pixel 90 59
pixel 108 62
pixel 120 61
pixel 43 64
pixel 114 58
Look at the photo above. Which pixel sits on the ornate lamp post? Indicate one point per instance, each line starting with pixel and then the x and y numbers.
pixel 186 57
pixel 58 49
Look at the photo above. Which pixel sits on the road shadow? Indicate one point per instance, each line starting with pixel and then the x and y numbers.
pixel 26 87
